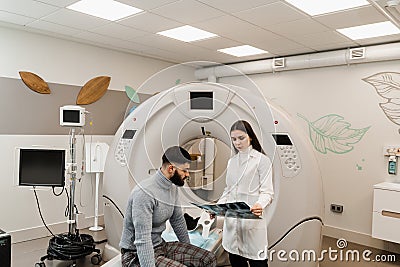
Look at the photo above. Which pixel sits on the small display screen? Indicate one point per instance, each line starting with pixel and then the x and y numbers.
pixel 282 139
pixel 128 134
pixel 201 100
pixel 71 116
pixel 42 167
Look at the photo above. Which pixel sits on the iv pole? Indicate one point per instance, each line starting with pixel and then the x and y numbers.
pixel 71 201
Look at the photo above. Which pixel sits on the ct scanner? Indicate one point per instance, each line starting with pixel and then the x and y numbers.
pixel 197 110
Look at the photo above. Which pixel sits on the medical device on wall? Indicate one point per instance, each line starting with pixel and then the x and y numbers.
pixel 72 116
pixel 96 154
pixel 392 152
pixel 41 167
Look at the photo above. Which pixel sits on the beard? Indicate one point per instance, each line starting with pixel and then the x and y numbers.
pixel 177 180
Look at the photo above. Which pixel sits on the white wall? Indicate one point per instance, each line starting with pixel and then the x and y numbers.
pixel 62 62
pixel 68 62
pixel 340 90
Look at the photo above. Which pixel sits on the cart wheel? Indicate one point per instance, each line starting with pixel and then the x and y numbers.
pixel 40 264
pixel 96 259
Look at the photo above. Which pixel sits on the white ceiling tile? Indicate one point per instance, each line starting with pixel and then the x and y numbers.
pixel 118 31
pixel 51 27
pixel 377 40
pixel 276 45
pixel 353 17
pixel 297 27
pixel 188 11
pixel 271 14
pixel 321 38
pixel 224 24
pixel 216 43
pixel 253 35
pixel 94 37
pixel 333 46
pixel 236 5
pixel 27 8
pixel 75 19
pixel 14 18
pixel 292 52
pixel 150 22
pixel 59 3
pixel 147 5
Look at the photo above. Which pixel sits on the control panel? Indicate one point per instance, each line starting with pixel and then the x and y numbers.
pixel 124 146
pixel 288 155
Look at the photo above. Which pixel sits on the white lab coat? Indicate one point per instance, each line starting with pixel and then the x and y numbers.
pixel 248 179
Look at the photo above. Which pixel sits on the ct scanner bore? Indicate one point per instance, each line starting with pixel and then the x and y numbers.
pixel 199 110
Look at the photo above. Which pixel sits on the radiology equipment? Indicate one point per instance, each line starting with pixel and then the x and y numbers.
pixel 198 110
pixel 72 116
pixel 72 245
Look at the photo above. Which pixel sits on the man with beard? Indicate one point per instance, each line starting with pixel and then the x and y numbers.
pixel 150 205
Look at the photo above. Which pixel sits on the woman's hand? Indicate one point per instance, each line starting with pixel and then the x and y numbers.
pixel 256 209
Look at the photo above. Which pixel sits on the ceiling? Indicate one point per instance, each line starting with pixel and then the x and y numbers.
pixel 271 25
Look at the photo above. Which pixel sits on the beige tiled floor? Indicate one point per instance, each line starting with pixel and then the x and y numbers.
pixel 26 254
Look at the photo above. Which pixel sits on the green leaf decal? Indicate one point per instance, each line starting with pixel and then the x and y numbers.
pixel 132 94
pixel 332 133
pixel 387 84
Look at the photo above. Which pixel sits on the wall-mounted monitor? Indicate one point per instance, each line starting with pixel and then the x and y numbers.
pixel 41 167
pixel 202 100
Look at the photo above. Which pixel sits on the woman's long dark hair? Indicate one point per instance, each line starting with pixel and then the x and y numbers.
pixel 244 126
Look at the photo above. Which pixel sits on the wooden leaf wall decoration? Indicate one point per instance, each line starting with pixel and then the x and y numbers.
pixel 34 82
pixel 93 90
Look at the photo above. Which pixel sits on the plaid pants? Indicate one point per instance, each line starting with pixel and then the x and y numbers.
pixel 174 254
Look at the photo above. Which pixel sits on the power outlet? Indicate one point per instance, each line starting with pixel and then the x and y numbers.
pixel 336 208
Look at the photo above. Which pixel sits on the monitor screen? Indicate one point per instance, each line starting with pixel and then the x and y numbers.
pixel 201 100
pixel 41 167
pixel 282 139
pixel 72 116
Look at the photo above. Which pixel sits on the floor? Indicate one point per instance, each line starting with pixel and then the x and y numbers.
pixel 26 254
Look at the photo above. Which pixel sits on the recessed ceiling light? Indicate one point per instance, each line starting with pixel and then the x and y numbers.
pixel 318 7
pixel 105 9
pixel 242 51
pixel 187 34
pixel 370 30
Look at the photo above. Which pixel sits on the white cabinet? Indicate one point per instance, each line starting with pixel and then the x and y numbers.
pixel 386 212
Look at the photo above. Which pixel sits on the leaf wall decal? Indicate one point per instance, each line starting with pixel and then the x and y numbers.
pixel 332 133
pixel 132 94
pixel 93 90
pixel 387 84
pixel 34 82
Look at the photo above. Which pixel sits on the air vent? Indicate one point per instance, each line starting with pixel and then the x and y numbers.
pixel 278 63
pixel 357 53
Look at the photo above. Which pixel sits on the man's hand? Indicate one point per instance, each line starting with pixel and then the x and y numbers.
pixel 257 209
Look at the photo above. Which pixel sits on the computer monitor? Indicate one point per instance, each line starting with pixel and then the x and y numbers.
pixel 41 167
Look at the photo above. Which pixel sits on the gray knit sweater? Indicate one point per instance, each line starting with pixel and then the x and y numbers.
pixel 150 205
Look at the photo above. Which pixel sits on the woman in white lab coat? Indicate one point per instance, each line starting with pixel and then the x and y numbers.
pixel 248 179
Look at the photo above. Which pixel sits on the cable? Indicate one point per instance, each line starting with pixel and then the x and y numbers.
pixel 115 205
pixel 293 227
pixel 40 212
pixel 57 195
pixel 70 247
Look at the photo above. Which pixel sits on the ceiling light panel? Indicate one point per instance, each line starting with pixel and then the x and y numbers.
pixel 370 30
pixel 105 9
pixel 187 34
pixel 243 51
pixel 318 7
